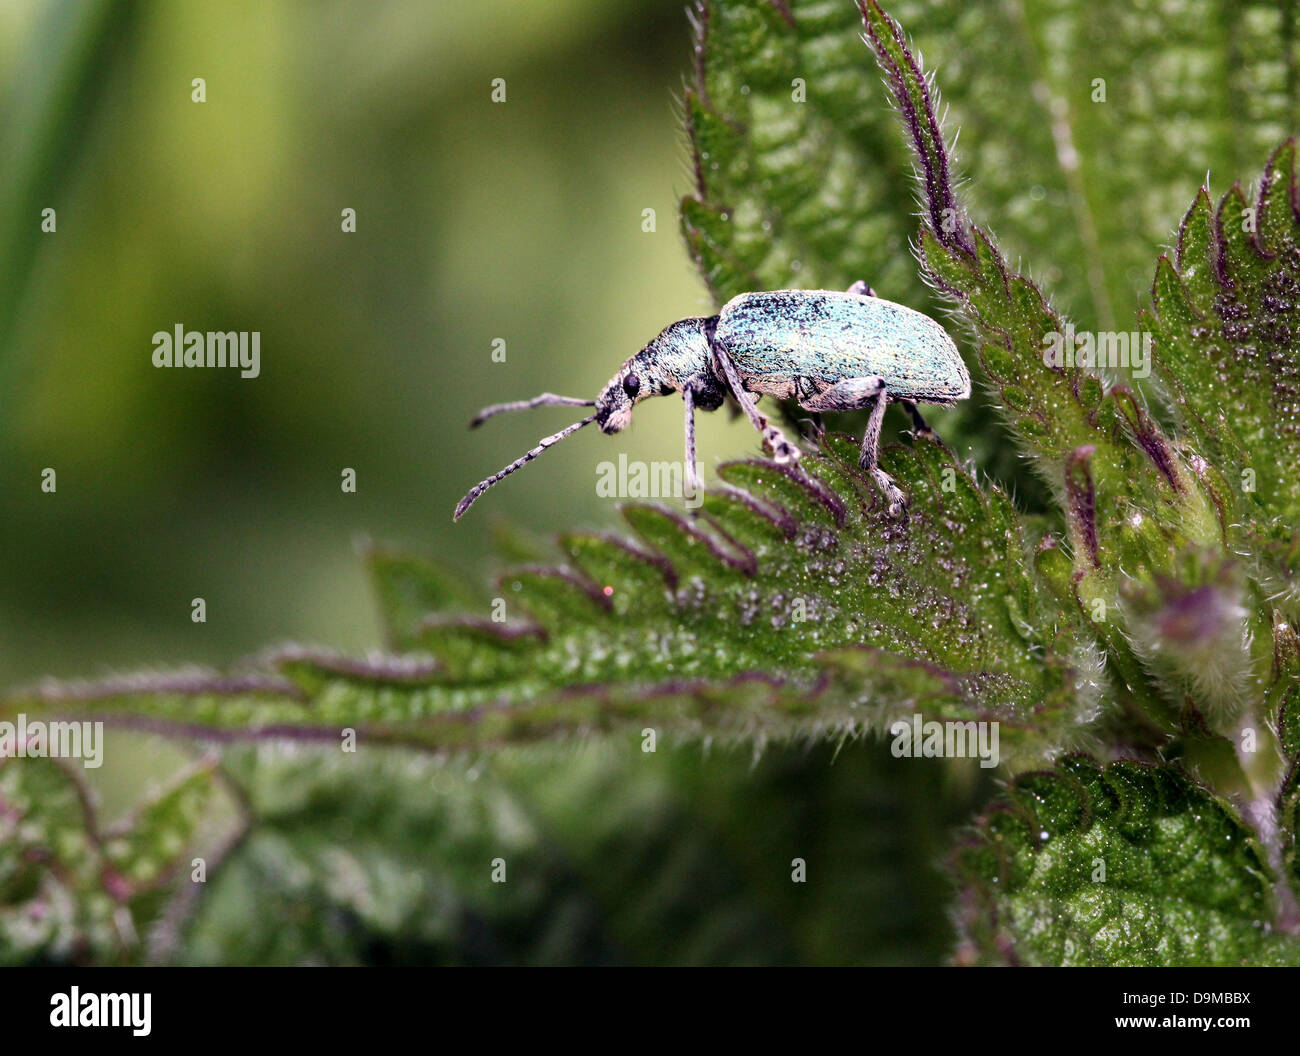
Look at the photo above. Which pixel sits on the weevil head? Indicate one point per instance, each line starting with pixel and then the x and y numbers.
pixel 680 351
pixel 635 381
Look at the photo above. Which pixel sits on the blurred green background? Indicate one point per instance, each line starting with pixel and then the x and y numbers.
pixel 475 221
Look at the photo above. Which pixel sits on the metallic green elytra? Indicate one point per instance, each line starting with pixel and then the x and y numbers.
pixel 827 350
pixel 799 344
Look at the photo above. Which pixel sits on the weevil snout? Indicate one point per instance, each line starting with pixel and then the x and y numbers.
pixel 636 380
pixel 613 410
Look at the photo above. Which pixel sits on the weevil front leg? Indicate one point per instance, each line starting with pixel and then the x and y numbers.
pixel 693 482
pixel 853 394
pixel 781 448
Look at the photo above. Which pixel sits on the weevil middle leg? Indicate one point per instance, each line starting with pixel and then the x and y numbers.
pixel 918 420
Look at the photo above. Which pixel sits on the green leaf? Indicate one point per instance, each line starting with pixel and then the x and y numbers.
pixel 1226 325
pixel 1144 515
pixel 1081 154
pixel 51 904
pixel 1059 412
pixel 1131 864
pixel 387 858
pixel 1284 698
pixel 1156 558
pixel 793 607
pixel 799 176
pixel 142 850
pixel 72 891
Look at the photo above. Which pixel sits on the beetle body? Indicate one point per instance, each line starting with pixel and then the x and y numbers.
pixel 828 350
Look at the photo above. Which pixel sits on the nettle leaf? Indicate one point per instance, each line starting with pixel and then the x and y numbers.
pixel 1131 864
pixel 792 607
pixel 1081 154
pixel 1150 558
pixel 383 857
pixel 142 850
pixel 1060 412
pixel 800 180
pixel 1284 709
pixel 1155 564
pixel 1226 325
pixel 71 891
pixel 51 904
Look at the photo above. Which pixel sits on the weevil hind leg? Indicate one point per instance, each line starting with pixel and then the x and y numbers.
pixel 869 458
pixel 918 420
pixel 816 427
pixel 783 450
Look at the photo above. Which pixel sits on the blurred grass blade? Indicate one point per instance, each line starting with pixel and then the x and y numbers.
pixel 46 122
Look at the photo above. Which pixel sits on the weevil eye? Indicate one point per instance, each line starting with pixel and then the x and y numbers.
pixel 632 385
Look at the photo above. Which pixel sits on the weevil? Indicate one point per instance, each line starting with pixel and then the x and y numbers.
pixel 829 351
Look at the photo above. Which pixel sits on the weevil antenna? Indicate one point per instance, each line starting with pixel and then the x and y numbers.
pixel 546 399
pixel 472 495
